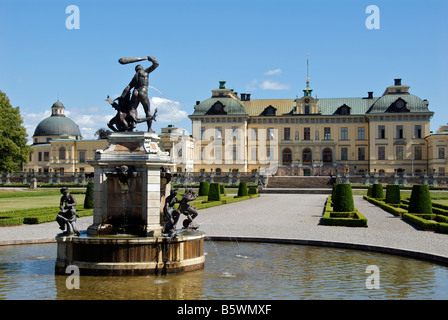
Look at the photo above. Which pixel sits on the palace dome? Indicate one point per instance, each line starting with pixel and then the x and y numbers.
pixel 57 124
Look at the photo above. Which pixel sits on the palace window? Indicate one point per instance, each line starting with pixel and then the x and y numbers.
pixel 418 131
pixel 381 132
pixel 306 134
pixel 361 153
pixel 344 133
pixel 381 153
pixel 307 156
pixel 287 133
pixel 327 133
pixel 361 133
pixel 441 153
pixel 418 154
pixel 399 153
pixel 327 155
pixel 344 154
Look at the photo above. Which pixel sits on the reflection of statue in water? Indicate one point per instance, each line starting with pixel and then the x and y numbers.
pixel 170 214
pixel 67 216
pixel 187 209
pixel 140 85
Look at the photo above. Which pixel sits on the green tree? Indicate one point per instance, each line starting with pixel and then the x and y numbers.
pixel 88 200
pixel 14 150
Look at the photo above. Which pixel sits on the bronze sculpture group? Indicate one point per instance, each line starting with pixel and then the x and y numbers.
pixel 172 215
pixel 126 118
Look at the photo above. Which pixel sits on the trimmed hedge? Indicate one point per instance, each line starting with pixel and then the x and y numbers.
pixel 214 193
pixel 377 191
pixel 393 193
pixel 204 188
pixel 420 201
pixel 88 200
pixel 343 198
pixel 242 190
pixel 222 189
pixel 342 219
pixel 253 190
pixel 421 221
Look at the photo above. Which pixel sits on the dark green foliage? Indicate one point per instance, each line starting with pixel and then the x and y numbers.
pixel 242 190
pixel 214 193
pixel 253 190
pixel 343 198
pixel 377 191
pixel 88 201
pixel 333 191
pixel 420 201
pixel 14 150
pixel 222 189
pixel 204 187
pixel 369 191
pixel 393 193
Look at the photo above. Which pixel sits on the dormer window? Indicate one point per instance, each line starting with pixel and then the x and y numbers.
pixel 269 111
pixel 398 106
pixel 343 110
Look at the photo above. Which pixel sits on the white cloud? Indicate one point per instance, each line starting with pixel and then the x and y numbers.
pixel 168 111
pixel 274 85
pixel 273 72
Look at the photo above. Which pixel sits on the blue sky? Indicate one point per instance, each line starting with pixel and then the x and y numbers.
pixel 256 46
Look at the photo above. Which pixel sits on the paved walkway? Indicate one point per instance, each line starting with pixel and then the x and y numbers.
pixel 287 217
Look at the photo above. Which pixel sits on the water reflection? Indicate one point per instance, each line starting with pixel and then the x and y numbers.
pixel 234 271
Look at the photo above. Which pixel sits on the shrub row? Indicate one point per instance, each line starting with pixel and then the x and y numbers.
pixel 434 221
pixel 35 216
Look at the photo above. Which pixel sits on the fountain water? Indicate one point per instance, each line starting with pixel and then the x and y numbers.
pixel 132 179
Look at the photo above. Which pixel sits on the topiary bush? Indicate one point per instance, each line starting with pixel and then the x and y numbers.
pixel 88 200
pixel 253 190
pixel 393 193
pixel 204 188
pixel 242 189
pixel 222 189
pixel 377 191
pixel 343 198
pixel 369 191
pixel 420 201
pixel 214 193
pixel 333 190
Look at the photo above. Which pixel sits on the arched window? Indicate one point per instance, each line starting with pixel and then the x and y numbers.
pixel 327 155
pixel 287 156
pixel 307 156
pixel 61 153
pixel 218 171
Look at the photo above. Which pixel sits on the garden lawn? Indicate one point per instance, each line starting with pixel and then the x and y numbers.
pixel 32 202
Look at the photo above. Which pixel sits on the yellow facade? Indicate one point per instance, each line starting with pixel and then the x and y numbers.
pixel 311 136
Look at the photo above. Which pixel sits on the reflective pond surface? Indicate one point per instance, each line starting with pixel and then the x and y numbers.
pixel 234 271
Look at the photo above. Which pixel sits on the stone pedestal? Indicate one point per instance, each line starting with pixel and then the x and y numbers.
pixel 131 181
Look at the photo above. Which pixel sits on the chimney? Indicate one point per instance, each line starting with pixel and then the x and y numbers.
pixel 370 96
pixel 198 102
pixel 243 97
pixel 397 82
pixel 247 96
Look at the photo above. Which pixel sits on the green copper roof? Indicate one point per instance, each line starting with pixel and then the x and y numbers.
pixel 231 106
pixel 57 126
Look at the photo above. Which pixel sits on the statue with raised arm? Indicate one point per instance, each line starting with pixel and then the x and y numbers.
pixel 140 84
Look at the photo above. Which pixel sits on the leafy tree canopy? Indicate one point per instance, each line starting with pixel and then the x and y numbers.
pixel 102 133
pixel 14 150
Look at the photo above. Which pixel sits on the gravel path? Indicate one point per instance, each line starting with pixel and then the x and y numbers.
pixel 291 217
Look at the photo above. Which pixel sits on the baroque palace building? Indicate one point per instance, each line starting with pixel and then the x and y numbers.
pixel 310 136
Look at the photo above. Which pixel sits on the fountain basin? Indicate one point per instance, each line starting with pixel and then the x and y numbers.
pixel 130 255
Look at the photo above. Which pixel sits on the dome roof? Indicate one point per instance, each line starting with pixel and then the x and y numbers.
pixel 57 124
